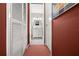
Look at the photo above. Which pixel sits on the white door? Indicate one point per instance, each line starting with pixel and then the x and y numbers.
pixel 37 23
pixel 17 35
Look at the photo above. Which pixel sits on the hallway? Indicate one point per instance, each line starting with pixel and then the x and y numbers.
pixel 42 29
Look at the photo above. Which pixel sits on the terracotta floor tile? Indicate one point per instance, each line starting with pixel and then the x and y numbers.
pixel 37 50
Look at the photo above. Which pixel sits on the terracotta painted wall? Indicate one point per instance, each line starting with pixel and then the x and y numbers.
pixel 2 29
pixel 66 33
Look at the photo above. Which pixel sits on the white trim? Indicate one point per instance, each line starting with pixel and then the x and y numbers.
pixel 30 24
pixel 48 26
pixel 23 24
pixel 8 14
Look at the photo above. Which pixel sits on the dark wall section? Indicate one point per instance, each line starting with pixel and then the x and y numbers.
pixel 2 29
pixel 66 33
pixel 28 21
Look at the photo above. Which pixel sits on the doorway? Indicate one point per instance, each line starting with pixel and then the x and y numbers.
pixel 37 23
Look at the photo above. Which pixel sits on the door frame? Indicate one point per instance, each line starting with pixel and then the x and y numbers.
pixel 29 25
